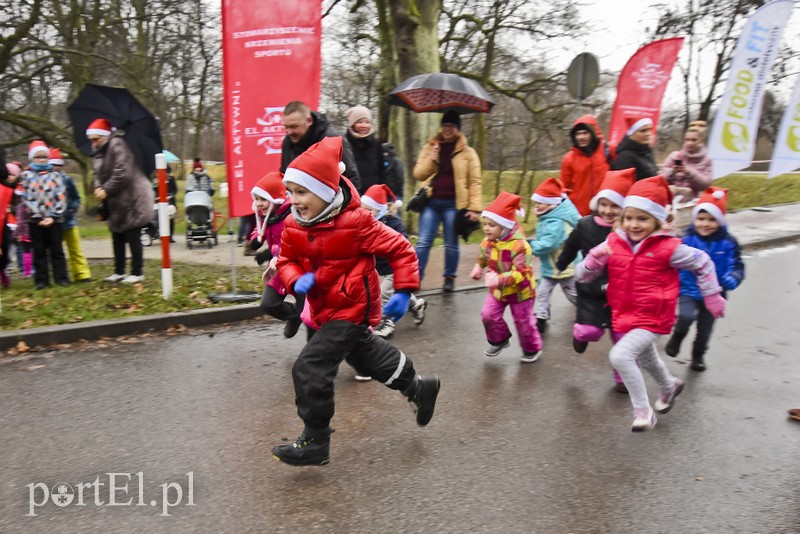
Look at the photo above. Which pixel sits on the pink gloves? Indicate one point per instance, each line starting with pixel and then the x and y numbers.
pixel 491 280
pixel 597 258
pixel 476 273
pixel 715 305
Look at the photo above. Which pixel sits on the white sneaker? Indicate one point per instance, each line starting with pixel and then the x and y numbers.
pixel 494 350
pixel 114 278
pixel 530 357
pixel 363 378
pixel 385 328
pixel 418 311
pixel 643 419
pixel 132 279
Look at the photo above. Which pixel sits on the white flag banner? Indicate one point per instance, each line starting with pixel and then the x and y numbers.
pixel 733 136
pixel 786 156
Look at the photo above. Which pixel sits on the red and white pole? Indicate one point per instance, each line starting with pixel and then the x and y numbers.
pixel 163 227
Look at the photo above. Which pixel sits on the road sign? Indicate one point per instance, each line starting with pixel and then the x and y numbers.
pixel 583 75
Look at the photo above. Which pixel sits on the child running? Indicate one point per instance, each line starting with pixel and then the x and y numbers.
pixel 328 251
pixel 507 254
pixel 642 261
pixel 709 233
pixel 376 201
pixel 271 209
pixel 557 216
pixel 593 315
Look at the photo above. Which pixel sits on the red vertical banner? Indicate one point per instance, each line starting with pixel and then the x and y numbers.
pixel 641 85
pixel 271 55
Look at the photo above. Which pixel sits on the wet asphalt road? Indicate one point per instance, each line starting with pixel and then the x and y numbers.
pixel 542 447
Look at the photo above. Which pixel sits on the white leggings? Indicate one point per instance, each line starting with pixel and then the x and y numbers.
pixel 637 349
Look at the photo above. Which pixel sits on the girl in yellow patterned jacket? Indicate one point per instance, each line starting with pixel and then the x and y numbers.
pixel 507 254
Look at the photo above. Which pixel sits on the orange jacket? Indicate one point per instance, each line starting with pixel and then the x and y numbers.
pixel 582 173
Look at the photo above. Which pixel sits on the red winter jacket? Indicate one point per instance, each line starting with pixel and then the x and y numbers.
pixel 583 173
pixel 642 286
pixel 341 253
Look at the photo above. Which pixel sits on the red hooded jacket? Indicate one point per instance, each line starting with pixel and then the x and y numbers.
pixel 341 253
pixel 581 172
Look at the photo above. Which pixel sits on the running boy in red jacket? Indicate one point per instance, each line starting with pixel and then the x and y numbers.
pixel 328 250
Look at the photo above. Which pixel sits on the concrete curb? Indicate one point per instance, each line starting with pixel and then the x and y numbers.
pixel 93 330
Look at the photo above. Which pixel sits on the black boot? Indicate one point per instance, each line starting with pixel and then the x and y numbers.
pixel 422 394
pixel 311 448
pixel 291 327
pixel 674 344
pixel 541 325
pixel 697 362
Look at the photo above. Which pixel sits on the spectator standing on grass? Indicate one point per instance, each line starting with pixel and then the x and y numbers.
pixel 366 147
pixel 689 168
pixel 126 194
pixel 452 169
pixel 46 200
pixel 199 180
pixel 634 151
pixel 76 261
pixel 305 128
pixel 585 165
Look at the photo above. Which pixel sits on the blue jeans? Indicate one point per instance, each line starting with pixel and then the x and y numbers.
pixel 436 212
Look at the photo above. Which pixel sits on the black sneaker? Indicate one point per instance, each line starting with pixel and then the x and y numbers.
pixel 291 327
pixel 449 284
pixel 579 346
pixel 673 346
pixel 541 325
pixel 422 394
pixel 306 450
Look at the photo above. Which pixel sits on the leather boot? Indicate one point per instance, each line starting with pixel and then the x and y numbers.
pixel 697 362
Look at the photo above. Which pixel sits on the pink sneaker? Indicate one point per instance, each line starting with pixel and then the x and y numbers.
pixel 665 400
pixel 643 419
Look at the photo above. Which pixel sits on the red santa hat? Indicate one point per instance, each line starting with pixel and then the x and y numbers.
pixel 99 127
pixel 36 147
pixel 636 123
pixel 377 197
pixel 318 169
pixel 504 210
pixel 550 192
pixel 714 200
pixel 651 195
pixel 614 187
pixel 55 157
pixel 270 188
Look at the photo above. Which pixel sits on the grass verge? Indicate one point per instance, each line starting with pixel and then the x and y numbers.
pixel 97 300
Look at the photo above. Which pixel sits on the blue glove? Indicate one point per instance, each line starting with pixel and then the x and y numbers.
pixel 397 306
pixel 304 284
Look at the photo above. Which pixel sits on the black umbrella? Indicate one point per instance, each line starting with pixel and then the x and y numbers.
pixel 124 112
pixel 439 92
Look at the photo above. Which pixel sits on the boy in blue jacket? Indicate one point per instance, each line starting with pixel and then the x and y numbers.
pixel 709 233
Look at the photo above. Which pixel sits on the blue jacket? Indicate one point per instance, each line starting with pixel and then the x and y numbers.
pixel 393 222
pixel 73 202
pixel 552 230
pixel 724 251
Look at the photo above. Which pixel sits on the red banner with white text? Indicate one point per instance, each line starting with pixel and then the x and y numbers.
pixel 271 55
pixel 642 84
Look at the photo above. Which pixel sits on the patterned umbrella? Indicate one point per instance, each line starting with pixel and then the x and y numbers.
pixel 439 92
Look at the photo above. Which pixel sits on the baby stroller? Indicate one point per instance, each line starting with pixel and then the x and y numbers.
pixel 199 219
pixel 150 232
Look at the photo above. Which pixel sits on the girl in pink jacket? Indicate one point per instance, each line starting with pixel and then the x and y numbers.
pixel 642 263
pixel 271 209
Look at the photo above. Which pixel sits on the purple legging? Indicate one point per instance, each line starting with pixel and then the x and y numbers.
pixel 497 331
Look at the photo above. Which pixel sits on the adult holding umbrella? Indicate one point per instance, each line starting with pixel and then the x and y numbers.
pixel 452 170
pixel 126 195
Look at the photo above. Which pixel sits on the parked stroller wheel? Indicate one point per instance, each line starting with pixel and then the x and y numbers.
pixel 189 243
pixel 145 239
pixel 209 244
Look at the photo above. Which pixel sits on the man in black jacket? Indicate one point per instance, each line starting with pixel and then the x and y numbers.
pixel 304 128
